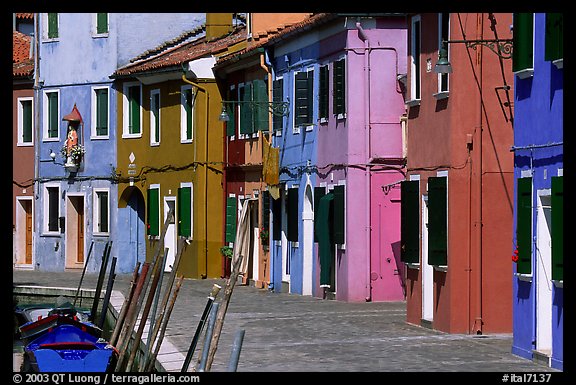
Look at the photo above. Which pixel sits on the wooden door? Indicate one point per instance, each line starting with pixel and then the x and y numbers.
pixel 80 244
pixel 28 210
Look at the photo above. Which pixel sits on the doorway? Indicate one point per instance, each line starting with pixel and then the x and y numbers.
pixel 170 237
pixel 24 231
pixel 544 276
pixel 75 230
pixel 427 269
pixel 308 240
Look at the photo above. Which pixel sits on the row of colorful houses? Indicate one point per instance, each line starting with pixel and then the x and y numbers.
pixel 382 157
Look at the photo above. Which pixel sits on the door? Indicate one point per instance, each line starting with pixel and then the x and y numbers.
pixel 80 226
pixel 427 269
pixel 28 210
pixel 74 229
pixel 308 239
pixel 544 276
pixel 170 237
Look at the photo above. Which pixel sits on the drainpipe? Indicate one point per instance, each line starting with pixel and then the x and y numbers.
pixel 362 35
pixel 36 112
pixel 205 275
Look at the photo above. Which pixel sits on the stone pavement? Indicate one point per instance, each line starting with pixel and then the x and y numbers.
pixel 293 333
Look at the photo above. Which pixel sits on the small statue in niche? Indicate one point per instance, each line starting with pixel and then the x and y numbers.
pixel 73 151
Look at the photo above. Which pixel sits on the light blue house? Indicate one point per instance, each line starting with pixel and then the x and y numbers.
pixel 538 314
pixel 76 198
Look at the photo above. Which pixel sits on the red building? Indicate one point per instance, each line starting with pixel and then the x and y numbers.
pixel 457 200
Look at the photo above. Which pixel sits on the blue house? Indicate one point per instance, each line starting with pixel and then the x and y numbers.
pixel 538 314
pixel 76 194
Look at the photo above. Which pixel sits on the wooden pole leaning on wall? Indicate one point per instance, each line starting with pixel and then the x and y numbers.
pixel 100 282
pixel 111 278
pixel 125 305
pixel 83 272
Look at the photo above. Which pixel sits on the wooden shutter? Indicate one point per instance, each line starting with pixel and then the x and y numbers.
pixel 231 218
pixel 292 210
pixel 261 114
pixel 277 97
pixel 153 212
pixel 323 93
pixel 52 25
pixel 53 115
pixel 185 211
pixel 26 121
pixel 339 87
pixel 246 113
pixel 437 221
pixel 265 210
pixel 101 22
pixel 338 234
pixel 53 200
pixel 103 206
pixel 134 109
pixel 277 219
pixel 523 41
pixel 554 37
pixel 557 228
pixel 231 123
pixel 188 109
pixel 156 113
pixel 410 221
pixel 524 225
pixel 301 102
pixel 319 192
pixel 102 112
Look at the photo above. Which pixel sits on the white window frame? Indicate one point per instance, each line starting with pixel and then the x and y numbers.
pixel 239 122
pixel 45 116
pixel 444 174
pixel 160 222
pixel 529 72
pixel 96 211
pixel 126 111
pixel 153 140
pixel 191 185
pixel 94 107
pixel 46 209
pixel 331 79
pixel 95 33
pixel 183 120
pixel 20 112
pixel 413 99
pixel 279 132
pixel 442 94
pixel 45 37
pixel 234 107
pixel 307 127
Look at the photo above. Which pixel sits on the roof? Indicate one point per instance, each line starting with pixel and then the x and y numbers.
pixel 22 63
pixel 25 16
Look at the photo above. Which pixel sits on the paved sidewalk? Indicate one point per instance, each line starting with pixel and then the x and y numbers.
pixel 293 333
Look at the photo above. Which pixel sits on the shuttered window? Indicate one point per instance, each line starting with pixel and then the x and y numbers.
pixel 101 210
pixel 415 59
pixel 265 210
pixel 231 123
pixel 246 113
pixel 277 97
pixel 52 25
pixel 53 208
pixel 53 122
pixel 319 192
pixel 134 110
pixel 261 112
pixel 101 111
pixel 554 37
pixel 153 211
pixel 323 93
pixel 410 221
pixel 155 117
pixel 231 218
pixel 185 211
pixel 524 225
pixel 557 228
pixel 26 106
pixel 437 221
pixel 292 210
pixel 339 215
pixel 277 219
pixel 303 98
pixel 523 40
pixel 101 23
pixel 339 84
pixel 188 117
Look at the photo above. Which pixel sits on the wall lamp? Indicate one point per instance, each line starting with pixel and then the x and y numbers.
pixel 501 47
pixel 52 158
pixel 276 108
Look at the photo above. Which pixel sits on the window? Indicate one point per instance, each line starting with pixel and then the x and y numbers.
pixel 523 45
pixel 100 115
pixel 277 97
pixel 101 211
pixel 265 221
pixel 410 221
pixel 415 59
pixel 25 122
pixel 292 211
pixel 101 23
pixel 231 111
pixel 437 221
pixel 277 219
pixel 155 117
pixel 524 225
pixel 323 93
pixel 557 203
pixel 185 210
pixel 303 99
pixel 554 50
pixel 231 218
pixel 319 192
pixel 186 114
pixel 153 212
pixel 338 226
pixel 51 209
pixel 443 35
pixel 132 111
pixel 339 84
pixel 51 26
pixel 260 99
pixel 51 115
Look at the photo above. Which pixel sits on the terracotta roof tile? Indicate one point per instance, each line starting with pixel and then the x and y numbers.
pixel 22 64
pixel 25 16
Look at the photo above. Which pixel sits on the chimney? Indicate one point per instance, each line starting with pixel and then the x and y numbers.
pixel 218 24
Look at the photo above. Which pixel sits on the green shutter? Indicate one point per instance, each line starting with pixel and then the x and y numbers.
pixel 261 114
pixel 246 114
pixel 53 115
pixel 410 222
pixel 103 203
pixel 339 87
pixel 557 228
pixel 231 218
pixel 277 219
pixel 101 22
pixel 134 113
pixel 188 105
pixel 184 211
pixel 323 92
pixel 339 215
pixel 292 210
pixel 27 121
pixel 53 200
pixel 325 241
pixel 319 192
pixel 554 37
pixel 301 103
pixel 524 225
pixel 156 111
pixel 437 221
pixel 52 25
pixel 265 209
pixel 231 123
pixel 277 97
pixel 102 112
pixel 523 41
pixel 153 212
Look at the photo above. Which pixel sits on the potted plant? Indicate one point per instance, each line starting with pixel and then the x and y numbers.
pixel 226 251
pixel 73 156
pixel 264 237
